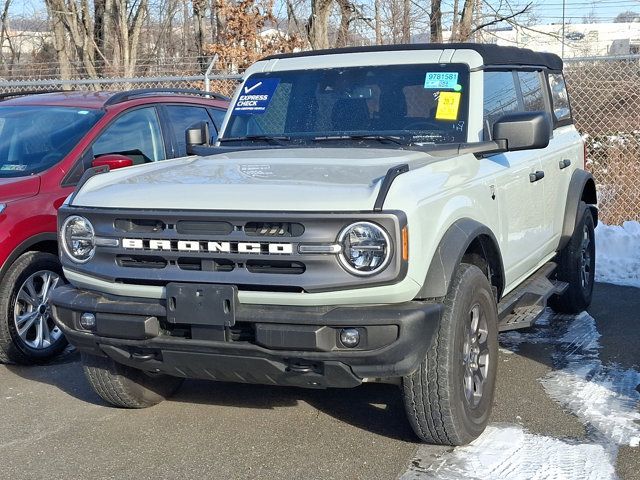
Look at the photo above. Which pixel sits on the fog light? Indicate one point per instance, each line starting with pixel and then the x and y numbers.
pixel 350 337
pixel 88 321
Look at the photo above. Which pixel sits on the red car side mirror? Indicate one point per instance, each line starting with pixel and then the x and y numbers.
pixel 113 161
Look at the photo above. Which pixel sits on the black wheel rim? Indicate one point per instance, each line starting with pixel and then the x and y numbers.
pixel 585 258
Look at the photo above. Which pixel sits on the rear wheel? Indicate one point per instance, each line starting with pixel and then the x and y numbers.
pixel 27 331
pixel 448 399
pixel 126 387
pixel 576 266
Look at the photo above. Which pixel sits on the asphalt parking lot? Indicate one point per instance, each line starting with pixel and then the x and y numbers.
pixel 54 426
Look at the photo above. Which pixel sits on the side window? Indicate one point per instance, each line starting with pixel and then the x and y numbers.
pixel 136 134
pixel 559 98
pixel 218 116
pixel 500 97
pixel 181 117
pixel 532 93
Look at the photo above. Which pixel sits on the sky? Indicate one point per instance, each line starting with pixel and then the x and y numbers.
pixel 550 11
pixel 546 11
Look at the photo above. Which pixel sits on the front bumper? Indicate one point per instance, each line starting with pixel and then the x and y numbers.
pixel 282 345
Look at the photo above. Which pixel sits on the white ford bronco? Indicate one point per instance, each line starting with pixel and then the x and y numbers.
pixel 371 214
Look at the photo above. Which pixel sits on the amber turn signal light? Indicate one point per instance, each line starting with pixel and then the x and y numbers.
pixel 405 243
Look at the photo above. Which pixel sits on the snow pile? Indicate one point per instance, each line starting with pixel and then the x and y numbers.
pixel 509 452
pixel 618 254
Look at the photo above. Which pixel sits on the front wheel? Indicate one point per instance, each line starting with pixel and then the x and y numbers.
pixel 126 387
pixel 448 399
pixel 27 332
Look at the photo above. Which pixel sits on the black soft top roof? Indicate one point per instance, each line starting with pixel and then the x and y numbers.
pixel 491 54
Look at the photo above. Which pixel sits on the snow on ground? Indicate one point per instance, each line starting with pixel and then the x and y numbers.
pixel 509 452
pixel 603 396
pixel 618 253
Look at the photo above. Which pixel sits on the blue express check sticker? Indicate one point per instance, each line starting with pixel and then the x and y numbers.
pixel 255 96
pixel 441 80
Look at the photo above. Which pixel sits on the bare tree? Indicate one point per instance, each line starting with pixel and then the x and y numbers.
pixel 406 21
pixel 59 40
pixel 456 21
pixel 5 38
pixel 347 11
pixel 463 32
pixel 199 10
pixel 318 24
pixel 103 10
pixel 377 22
pixel 627 17
pixel 129 18
pixel 435 21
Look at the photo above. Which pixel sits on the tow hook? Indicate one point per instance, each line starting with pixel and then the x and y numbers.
pixel 301 366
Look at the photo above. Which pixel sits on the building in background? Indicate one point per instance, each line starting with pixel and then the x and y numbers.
pixel 580 40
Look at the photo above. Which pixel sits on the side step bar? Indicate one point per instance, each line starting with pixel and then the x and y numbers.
pixel 522 307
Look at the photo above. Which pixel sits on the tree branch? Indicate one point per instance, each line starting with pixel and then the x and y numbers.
pixel 502 18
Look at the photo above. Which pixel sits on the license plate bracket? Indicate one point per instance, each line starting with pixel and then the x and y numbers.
pixel 202 304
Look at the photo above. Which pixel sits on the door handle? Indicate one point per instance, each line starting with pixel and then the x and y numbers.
pixel 565 163
pixel 534 177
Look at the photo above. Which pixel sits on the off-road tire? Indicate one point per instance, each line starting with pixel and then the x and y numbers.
pixel 127 387
pixel 12 348
pixel 434 395
pixel 577 297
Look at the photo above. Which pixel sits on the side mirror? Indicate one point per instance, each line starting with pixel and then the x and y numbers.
pixel 113 161
pixel 523 131
pixel 197 135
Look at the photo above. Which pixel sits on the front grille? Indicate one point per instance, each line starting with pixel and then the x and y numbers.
pixel 196 264
pixel 139 225
pixel 186 227
pixel 273 229
pixel 141 261
pixel 256 251
pixel 275 266
pixel 205 264
pixel 219 228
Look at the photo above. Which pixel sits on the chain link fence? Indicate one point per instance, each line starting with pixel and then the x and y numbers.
pixel 605 97
pixel 222 84
pixel 605 94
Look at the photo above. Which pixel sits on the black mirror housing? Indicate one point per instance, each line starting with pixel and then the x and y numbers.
pixel 523 130
pixel 197 135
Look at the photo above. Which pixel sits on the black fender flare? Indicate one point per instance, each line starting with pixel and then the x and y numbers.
pixel 449 253
pixel 582 187
pixel 25 247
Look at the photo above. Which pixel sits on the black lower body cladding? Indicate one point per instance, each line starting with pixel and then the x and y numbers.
pixel 282 345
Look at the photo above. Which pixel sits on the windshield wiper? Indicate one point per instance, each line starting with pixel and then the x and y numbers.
pixel 275 140
pixel 382 138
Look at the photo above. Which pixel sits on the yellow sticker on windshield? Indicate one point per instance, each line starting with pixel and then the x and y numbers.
pixel 448 106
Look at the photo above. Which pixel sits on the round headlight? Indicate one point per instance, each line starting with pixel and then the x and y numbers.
pixel 78 239
pixel 366 248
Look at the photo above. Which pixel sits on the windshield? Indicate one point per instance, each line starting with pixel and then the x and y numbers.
pixel 33 138
pixel 415 103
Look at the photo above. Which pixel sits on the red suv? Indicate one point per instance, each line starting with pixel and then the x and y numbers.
pixel 47 141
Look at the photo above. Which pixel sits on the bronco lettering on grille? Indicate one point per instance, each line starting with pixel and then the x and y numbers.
pixel 207 247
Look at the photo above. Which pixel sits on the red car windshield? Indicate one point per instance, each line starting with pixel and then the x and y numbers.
pixel 34 138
